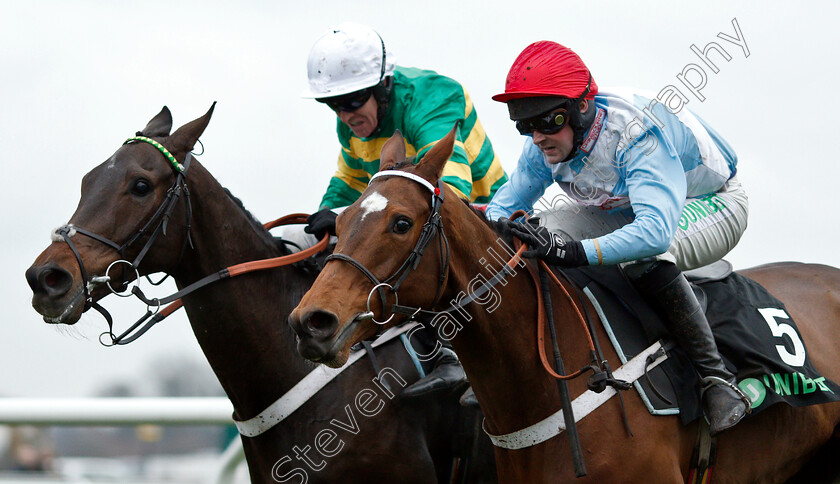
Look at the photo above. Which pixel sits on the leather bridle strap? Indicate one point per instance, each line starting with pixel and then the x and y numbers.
pixel 160 217
pixel 239 269
pixel 433 227
pixel 228 272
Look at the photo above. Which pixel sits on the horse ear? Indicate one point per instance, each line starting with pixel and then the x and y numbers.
pixel 431 166
pixel 159 126
pixel 393 151
pixel 185 137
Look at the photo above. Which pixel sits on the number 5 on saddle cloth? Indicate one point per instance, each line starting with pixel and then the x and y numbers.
pixel 756 337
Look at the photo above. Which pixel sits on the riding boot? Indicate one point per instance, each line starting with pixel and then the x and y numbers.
pixel 446 372
pixel 664 284
pixel 468 399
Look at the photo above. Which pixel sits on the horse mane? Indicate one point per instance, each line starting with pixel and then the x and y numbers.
pixel 278 242
pixel 492 224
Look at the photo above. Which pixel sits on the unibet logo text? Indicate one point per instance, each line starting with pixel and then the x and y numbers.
pixel 781 384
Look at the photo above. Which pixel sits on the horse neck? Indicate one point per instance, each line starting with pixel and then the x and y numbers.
pixel 240 323
pixel 498 345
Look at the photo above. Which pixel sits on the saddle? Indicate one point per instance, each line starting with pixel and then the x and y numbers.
pixel 756 337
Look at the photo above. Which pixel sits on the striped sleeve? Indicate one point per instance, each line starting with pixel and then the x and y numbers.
pixel 347 184
pixel 439 104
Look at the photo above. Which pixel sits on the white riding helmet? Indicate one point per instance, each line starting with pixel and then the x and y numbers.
pixel 347 58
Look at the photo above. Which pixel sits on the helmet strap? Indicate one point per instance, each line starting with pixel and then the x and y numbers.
pixel 382 96
pixel 580 122
pixel 382 91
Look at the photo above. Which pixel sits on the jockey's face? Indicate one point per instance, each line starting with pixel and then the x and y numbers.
pixel 557 146
pixel 363 120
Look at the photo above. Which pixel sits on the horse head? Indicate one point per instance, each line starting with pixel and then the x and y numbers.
pixel 377 262
pixel 134 200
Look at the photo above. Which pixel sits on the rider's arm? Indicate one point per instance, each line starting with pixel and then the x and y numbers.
pixel 347 184
pixel 657 190
pixel 439 103
pixel 526 185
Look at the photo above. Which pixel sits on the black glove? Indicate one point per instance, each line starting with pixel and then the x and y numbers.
pixel 549 247
pixel 504 226
pixel 320 223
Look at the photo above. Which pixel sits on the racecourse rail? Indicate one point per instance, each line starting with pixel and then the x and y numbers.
pixel 129 411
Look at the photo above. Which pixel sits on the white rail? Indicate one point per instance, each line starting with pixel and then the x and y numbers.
pixel 129 411
pixel 115 411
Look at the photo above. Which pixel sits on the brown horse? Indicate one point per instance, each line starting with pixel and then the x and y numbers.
pixel 239 322
pixel 496 338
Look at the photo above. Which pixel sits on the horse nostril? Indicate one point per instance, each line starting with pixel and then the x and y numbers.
pixel 50 280
pixel 320 323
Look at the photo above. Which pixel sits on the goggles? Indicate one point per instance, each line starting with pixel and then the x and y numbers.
pixel 546 123
pixel 348 102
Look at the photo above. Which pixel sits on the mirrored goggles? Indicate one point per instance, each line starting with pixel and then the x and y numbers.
pixel 546 123
pixel 348 102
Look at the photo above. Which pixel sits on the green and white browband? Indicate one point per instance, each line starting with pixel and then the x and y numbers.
pixel 177 166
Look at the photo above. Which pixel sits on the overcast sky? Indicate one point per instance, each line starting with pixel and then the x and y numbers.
pixel 77 78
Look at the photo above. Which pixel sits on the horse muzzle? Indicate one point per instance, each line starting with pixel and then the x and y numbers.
pixel 55 293
pixel 321 338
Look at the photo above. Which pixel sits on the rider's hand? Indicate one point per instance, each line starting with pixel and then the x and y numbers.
pixel 504 226
pixel 320 223
pixel 548 246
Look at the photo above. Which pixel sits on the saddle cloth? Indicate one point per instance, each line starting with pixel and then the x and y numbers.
pixel 757 339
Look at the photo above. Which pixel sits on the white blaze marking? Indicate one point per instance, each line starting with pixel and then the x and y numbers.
pixel 373 203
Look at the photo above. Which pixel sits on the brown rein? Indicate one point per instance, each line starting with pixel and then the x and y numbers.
pixel 258 265
pixel 541 315
pixel 541 323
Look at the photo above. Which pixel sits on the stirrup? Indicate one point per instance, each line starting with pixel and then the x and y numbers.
pixel 710 381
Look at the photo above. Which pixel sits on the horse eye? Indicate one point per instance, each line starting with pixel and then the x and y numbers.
pixel 402 225
pixel 141 187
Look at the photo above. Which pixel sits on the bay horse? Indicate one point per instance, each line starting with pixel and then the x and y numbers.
pixel 380 240
pixel 240 322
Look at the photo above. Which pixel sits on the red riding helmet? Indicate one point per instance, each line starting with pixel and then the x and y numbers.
pixel 546 76
pixel 549 70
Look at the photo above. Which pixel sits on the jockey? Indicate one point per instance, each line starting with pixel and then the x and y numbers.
pixel 649 186
pixel 352 71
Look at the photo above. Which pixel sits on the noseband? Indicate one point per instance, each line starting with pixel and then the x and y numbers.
pixel 156 225
pixel 431 228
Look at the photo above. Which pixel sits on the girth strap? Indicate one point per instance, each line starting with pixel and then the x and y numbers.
pixel 583 405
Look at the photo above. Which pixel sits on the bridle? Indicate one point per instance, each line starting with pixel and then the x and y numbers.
pixel 602 376
pixel 156 225
pixel 159 220
pixel 433 227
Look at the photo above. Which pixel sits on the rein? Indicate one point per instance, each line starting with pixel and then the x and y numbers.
pixel 159 221
pixel 432 227
pixel 175 302
pixel 154 313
